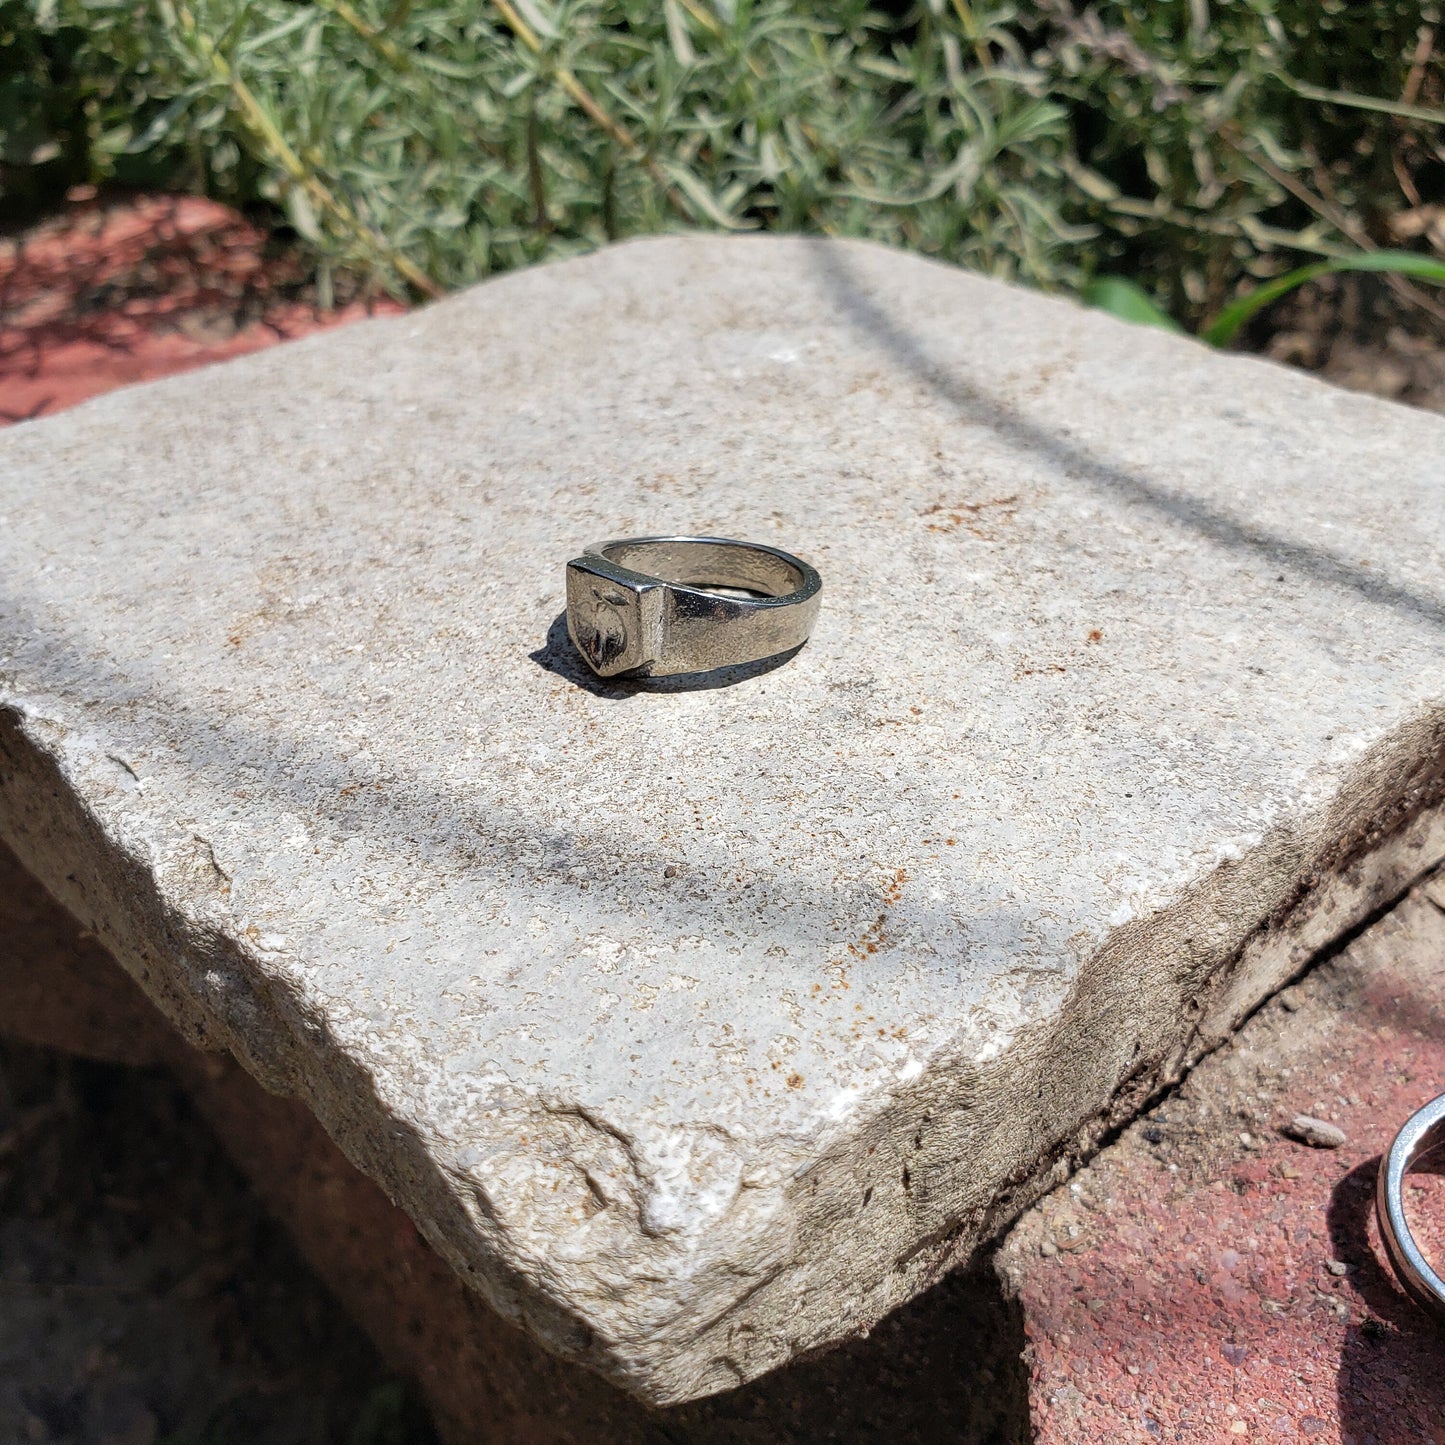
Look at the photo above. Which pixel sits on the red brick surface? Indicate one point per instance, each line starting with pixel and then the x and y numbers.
pixel 118 291
pixel 1208 1278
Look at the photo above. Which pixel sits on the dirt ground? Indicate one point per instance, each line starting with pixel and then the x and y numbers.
pixel 1356 333
pixel 145 1296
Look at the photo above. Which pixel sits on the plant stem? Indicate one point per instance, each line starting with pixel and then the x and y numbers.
pixel 268 135
pixel 589 105
pixel 1364 102
pixel 972 33
pixel 387 49
pixel 1322 208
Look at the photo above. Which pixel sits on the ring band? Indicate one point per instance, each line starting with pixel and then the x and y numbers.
pixel 1421 1133
pixel 643 605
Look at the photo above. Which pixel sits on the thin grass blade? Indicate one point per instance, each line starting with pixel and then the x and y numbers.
pixel 1128 301
pixel 1226 326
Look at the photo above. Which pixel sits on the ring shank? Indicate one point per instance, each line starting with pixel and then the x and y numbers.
pixel 698 562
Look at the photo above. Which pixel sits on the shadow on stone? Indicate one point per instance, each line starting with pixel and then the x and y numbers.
pixel 557 655
pixel 1389 1374
pixel 948 1366
pixel 144 1295
pixel 871 315
pixel 157 1288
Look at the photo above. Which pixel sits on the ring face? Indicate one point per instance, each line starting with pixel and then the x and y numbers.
pixel 645 606
pixel 1422 1132
pixel 612 615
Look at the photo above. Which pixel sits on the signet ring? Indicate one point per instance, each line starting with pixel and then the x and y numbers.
pixel 662 606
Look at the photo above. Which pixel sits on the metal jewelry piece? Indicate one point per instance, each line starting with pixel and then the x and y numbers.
pixel 1423 1131
pixel 643 605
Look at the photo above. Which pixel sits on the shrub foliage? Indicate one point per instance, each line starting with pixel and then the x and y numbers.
pixel 429 142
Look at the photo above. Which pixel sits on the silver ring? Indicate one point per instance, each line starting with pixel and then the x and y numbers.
pixel 1423 1130
pixel 645 605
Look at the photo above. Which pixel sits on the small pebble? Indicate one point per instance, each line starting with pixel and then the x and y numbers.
pixel 1048 1249
pixel 1315 1132
pixel 1337 1267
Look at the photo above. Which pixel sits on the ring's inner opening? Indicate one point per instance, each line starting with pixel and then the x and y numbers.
pixel 709 564
pixel 1423 1196
pixel 1424 1206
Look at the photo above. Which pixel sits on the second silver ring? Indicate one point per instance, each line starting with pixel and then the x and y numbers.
pixel 1423 1131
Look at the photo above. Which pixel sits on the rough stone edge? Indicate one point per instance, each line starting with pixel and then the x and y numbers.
pixel 484 1379
pixel 164 941
pixel 1300 891
pixel 952 1155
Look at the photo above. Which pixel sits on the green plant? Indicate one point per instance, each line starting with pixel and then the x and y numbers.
pixel 1199 146
pixel 432 142
pixel 1225 327
pixel 1129 301
pixel 1217 139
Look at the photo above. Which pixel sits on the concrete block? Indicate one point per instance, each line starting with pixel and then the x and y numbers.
pixel 697 1029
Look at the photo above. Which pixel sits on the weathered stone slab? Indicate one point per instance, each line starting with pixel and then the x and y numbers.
pixel 699 1028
